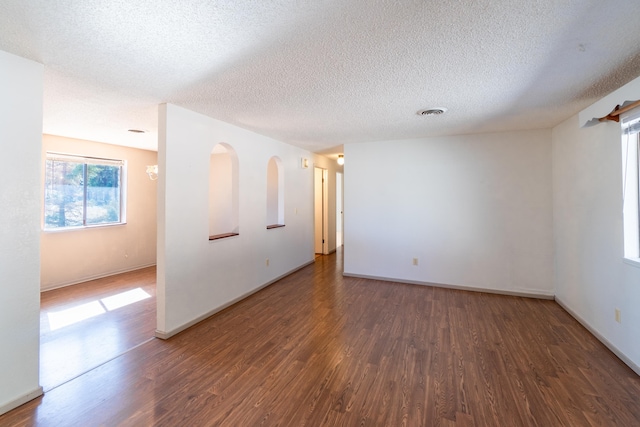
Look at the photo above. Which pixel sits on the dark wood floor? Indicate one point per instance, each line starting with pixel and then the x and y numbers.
pixel 317 349
pixel 68 351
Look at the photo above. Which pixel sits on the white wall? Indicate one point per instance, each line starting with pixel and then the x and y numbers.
pixel 197 277
pixel 591 279
pixel 75 256
pixel 475 210
pixel 20 201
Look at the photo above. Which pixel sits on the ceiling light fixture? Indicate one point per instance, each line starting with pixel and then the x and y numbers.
pixel 341 159
pixel 432 111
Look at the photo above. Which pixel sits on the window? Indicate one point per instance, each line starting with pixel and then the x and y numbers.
pixel 82 192
pixel 631 187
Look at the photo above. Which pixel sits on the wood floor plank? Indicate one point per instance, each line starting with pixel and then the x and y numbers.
pixel 68 351
pixel 319 349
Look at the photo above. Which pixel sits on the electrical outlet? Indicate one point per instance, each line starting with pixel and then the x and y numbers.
pixel 415 261
pixel 267 262
pixel 618 319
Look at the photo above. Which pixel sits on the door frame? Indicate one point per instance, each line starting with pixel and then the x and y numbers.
pixel 321 209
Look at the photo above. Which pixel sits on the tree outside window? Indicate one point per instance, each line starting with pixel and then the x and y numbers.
pixel 81 191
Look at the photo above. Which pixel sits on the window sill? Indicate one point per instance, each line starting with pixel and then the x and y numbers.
pixel 222 236
pixel 82 227
pixel 632 261
pixel 269 227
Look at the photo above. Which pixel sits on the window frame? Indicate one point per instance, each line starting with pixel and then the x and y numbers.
pixel 630 127
pixel 86 161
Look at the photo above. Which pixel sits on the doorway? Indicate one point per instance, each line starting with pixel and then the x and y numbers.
pixel 339 211
pixel 321 227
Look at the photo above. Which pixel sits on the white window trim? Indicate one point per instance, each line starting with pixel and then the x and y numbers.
pixel 631 187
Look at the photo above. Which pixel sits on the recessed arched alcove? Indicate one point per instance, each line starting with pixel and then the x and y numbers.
pixel 275 193
pixel 223 192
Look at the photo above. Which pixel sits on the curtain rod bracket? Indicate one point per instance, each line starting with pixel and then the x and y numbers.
pixel 615 114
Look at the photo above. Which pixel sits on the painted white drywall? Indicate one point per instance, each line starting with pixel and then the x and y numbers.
pixel 591 279
pixel 475 210
pixel 20 201
pixel 75 256
pixel 197 276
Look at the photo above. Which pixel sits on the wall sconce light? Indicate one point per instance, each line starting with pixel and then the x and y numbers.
pixel 152 171
pixel 341 159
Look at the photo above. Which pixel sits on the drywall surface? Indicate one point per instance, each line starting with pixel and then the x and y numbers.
pixel 591 279
pixel 474 210
pixel 74 256
pixel 197 276
pixel 20 201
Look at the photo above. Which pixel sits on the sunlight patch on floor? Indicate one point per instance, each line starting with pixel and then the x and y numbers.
pixel 60 319
pixel 69 316
pixel 124 298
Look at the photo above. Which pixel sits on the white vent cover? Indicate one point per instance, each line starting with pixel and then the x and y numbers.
pixel 432 111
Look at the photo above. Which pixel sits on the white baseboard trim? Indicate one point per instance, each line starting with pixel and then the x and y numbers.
pixel 94 277
pixel 530 294
pixel 166 335
pixel 21 400
pixel 615 350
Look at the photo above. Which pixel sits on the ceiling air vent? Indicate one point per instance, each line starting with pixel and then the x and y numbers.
pixel 432 111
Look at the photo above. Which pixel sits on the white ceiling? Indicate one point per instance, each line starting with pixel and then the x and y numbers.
pixel 321 73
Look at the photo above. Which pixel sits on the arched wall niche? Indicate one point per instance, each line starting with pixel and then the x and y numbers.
pixel 275 193
pixel 223 192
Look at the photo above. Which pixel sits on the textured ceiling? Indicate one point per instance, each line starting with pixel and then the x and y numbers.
pixel 321 73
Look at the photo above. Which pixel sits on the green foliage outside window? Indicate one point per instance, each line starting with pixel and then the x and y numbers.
pixel 80 193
